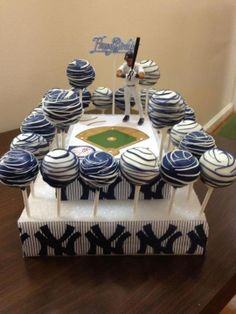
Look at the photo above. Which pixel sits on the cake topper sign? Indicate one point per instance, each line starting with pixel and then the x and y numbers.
pixel 117 45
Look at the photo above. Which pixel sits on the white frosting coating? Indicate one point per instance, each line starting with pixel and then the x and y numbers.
pixel 181 129
pixel 218 168
pixel 197 143
pixel 18 168
pixel 166 108
pixel 179 168
pixel 34 143
pixel 60 167
pixel 62 107
pixel 139 165
pixel 152 72
pixel 80 73
pixel 99 169
pixel 102 97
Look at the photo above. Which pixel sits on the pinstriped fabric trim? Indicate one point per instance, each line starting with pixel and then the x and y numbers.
pixel 122 191
pixel 31 245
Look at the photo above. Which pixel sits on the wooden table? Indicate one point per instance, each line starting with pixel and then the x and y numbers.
pixel 155 284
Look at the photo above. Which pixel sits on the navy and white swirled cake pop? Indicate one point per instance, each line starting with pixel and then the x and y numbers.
pixel 38 124
pixel 179 168
pixel 80 73
pixel 189 113
pixel 181 129
pixel 218 168
pixel 99 169
pixel 120 99
pixel 197 143
pixel 34 143
pixel 139 165
pixel 166 108
pixel 152 73
pixel 102 97
pixel 62 107
pixel 18 168
pixel 59 168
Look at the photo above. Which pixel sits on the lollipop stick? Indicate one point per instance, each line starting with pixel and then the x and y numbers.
pixel 96 200
pixel 163 136
pixel 190 190
pixel 169 142
pixel 136 197
pixel 206 199
pixel 58 191
pixel 81 97
pixel 171 201
pixel 32 188
pixel 113 84
pixel 63 139
pixel 26 203
pixel 57 139
pixel 146 101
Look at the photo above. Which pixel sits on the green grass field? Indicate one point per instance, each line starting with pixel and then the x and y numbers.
pixel 111 139
pixel 228 130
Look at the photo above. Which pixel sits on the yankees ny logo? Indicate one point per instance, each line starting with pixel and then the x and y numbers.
pixel 197 238
pixel 23 236
pixel 97 239
pixel 46 239
pixel 148 238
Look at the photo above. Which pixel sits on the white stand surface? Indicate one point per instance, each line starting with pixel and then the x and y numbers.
pixel 76 218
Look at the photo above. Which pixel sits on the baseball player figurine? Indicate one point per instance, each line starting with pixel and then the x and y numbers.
pixel 132 72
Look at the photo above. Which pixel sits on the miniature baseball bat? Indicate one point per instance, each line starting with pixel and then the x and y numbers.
pixel 136 46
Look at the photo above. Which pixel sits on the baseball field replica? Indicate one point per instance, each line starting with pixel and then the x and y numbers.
pixel 114 184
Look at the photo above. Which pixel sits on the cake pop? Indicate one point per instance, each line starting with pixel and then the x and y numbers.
pixel 179 168
pixel 189 113
pixel 98 170
pixel 218 169
pixel 38 124
pixel 102 98
pixel 152 73
pixel 59 168
pixel 62 108
pixel 166 108
pixel 197 143
pixel 140 167
pixel 34 143
pixel 18 168
pixel 80 73
pixel 181 129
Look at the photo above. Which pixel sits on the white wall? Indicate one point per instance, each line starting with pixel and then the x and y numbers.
pixel 192 41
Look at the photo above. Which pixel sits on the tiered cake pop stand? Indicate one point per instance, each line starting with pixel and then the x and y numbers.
pixel 115 230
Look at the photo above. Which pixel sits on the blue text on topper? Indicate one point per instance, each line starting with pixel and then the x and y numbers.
pixel 116 45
